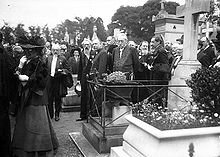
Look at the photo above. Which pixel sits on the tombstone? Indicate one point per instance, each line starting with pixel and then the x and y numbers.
pixel 168 25
pixel 94 36
pixel 189 63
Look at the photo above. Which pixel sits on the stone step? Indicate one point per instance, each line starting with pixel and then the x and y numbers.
pixel 71 103
pixel 73 108
pixel 118 152
pixel 96 139
pixel 84 146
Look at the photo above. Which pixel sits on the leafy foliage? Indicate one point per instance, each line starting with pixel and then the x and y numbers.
pixel 205 85
pixel 82 27
pixel 20 32
pixel 8 34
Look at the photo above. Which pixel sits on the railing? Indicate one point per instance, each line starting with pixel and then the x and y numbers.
pixel 103 93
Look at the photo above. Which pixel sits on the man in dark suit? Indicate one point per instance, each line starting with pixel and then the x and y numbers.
pixel 57 67
pixel 85 64
pixel 110 41
pixel 73 61
pixel 207 54
pixel 99 63
pixel 125 58
pixel 99 67
pixel 159 69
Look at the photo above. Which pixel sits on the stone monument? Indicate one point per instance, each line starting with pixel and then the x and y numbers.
pixel 94 36
pixel 189 64
pixel 168 25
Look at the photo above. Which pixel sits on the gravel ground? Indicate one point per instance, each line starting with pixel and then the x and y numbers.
pixel 63 127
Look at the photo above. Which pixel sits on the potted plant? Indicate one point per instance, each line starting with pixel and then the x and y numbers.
pixel 156 132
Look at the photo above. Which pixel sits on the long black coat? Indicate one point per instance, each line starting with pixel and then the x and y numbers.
pixel 160 70
pixel 6 75
pixel 83 72
pixel 100 63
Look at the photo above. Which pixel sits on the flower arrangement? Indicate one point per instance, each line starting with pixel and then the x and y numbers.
pixel 116 77
pixel 205 112
pixel 164 119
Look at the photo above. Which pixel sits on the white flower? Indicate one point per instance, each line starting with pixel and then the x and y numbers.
pixel 216 115
pixel 159 118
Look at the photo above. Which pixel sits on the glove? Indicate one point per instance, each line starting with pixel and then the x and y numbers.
pixel 23 77
pixel 22 61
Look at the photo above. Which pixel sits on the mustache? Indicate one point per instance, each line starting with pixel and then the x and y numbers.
pixel 87 48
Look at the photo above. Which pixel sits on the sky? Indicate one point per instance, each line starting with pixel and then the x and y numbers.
pixel 53 12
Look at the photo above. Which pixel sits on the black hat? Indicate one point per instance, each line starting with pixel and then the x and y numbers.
pixel 29 46
pixel 76 49
pixel 33 42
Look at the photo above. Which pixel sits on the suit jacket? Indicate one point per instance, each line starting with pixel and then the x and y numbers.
pixel 100 63
pixel 206 59
pixel 128 62
pixel 73 64
pixel 160 64
pixel 84 67
pixel 61 63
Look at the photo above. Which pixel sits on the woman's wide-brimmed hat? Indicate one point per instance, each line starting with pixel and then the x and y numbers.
pixel 32 42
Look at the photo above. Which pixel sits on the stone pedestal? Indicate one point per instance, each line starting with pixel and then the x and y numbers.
pixel 113 130
pixel 182 73
pixel 72 101
pixel 93 132
pixel 119 113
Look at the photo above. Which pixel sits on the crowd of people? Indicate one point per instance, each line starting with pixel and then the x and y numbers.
pixel 34 79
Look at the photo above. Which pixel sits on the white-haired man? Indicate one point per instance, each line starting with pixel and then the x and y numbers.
pixel 57 67
pixel 85 64
pixel 125 58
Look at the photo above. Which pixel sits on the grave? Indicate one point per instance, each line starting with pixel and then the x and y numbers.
pixel 187 66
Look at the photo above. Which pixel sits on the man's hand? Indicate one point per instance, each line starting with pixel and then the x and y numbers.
pixel 149 67
pixel 23 77
pixel 22 61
